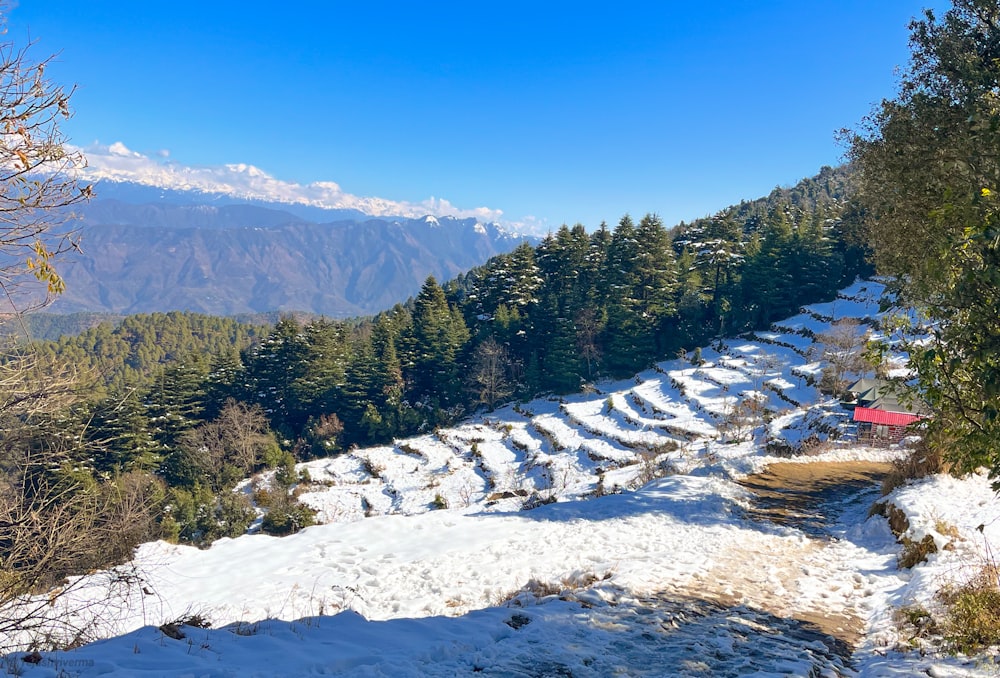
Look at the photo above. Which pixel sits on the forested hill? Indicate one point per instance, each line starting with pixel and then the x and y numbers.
pixel 638 291
pixel 132 351
pixel 63 327
pixel 550 318
pixel 762 259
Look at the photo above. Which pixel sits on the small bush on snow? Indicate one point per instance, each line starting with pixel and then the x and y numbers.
pixel 288 519
pixel 972 620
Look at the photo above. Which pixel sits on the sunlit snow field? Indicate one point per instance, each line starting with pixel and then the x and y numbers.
pixel 594 535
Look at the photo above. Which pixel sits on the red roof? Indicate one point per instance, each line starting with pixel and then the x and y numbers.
pixel 884 417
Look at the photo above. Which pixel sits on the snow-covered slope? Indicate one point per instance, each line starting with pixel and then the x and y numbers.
pixel 676 417
pixel 639 556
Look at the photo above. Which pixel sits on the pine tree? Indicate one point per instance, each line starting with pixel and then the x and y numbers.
pixel 226 377
pixel 324 363
pixel 562 361
pixel 273 370
pixel 439 338
pixel 623 343
pixel 655 283
pixel 358 391
pixel 120 425
pixel 768 289
pixel 176 401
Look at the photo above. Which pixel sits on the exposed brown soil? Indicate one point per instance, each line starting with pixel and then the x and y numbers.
pixel 808 497
pixel 804 495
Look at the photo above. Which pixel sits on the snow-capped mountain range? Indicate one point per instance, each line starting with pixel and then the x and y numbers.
pixel 228 240
pixel 119 164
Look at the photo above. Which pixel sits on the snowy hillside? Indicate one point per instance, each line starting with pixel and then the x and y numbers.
pixel 674 418
pixel 602 534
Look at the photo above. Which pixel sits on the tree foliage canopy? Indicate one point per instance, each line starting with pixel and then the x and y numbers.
pixel 929 180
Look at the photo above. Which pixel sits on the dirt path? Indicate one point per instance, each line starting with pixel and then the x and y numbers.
pixel 780 576
pixel 811 496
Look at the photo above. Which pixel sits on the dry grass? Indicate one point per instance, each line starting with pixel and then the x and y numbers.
pixel 924 460
pixel 946 529
pixel 915 552
pixel 917 623
pixel 965 618
pixel 972 620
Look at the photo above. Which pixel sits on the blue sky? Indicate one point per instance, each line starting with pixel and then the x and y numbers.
pixel 565 111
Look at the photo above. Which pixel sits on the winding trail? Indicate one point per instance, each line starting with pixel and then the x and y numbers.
pixel 812 496
pixel 810 575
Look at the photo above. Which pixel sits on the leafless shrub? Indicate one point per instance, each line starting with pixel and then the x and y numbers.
pixel 371 467
pixel 844 349
pixel 741 417
pixel 53 526
pixel 651 466
pixel 923 460
pixel 234 443
pixel 36 180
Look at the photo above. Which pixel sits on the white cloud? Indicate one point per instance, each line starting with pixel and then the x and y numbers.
pixel 530 224
pixel 122 151
pixel 119 163
pixel 443 208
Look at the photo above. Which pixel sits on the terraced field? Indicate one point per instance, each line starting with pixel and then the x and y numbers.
pixel 675 417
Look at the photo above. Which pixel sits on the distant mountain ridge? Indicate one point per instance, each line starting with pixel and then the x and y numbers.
pixel 132 193
pixel 147 249
pixel 119 169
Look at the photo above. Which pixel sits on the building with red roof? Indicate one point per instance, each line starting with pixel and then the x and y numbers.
pixel 883 411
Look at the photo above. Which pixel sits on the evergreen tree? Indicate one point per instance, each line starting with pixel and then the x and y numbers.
pixel 655 282
pixel 120 425
pixel 597 264
pixel 690 322
pixel 929 182
pixel 176 400
pixel 359 391
pixel 820 266
pixel 397 414
pixel 643 275
pixel 324 362
pixel 226 379
pixel 768 289
pixel 274 370
pixel 562 361
pixel 439 338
